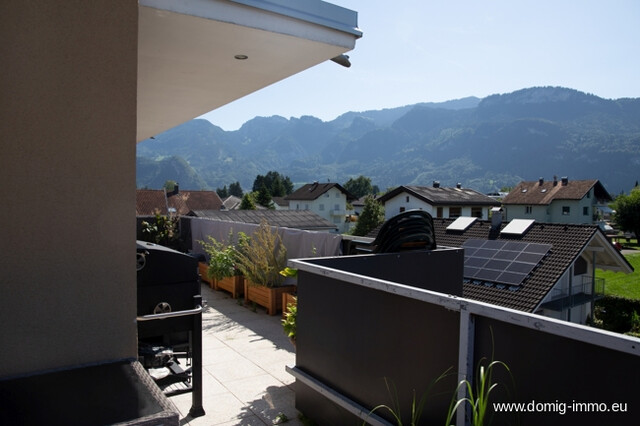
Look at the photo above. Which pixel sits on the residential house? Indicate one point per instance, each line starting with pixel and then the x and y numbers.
pixel 440 202
pixel 231 203
pixel 535 267
pixel 327 200
pixel 83 84
pixel 279 203
pixel 558 201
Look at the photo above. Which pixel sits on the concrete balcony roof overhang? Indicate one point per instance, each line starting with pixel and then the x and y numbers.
pixel 187 52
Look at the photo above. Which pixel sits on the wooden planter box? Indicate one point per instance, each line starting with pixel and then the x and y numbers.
pixel 203 268
pixel 234 285
pixel 287 298
pixel 267 297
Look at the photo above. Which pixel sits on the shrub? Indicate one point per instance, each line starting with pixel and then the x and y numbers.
pixel 262 256
pixel 222 258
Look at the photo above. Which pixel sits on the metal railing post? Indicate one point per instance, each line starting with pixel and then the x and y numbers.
pixel 196 368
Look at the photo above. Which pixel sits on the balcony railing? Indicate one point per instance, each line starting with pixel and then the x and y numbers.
pixel 364 321
pixel 588 289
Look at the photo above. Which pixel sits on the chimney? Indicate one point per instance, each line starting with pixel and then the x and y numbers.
pixel 436 184
pixel 555 180
pixel 496 218
pixel 565 181
pixel 541 181
pixel 459 185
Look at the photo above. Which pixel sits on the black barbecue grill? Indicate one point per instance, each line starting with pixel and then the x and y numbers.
pixel 170 319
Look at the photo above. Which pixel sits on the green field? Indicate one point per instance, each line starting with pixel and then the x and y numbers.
pixel 620 284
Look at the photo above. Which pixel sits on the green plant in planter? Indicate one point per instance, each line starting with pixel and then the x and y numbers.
pixel 479 392
pixel 289 320
pixel 222 258
pixel 262 256
pixel 417 406
pixel 478 395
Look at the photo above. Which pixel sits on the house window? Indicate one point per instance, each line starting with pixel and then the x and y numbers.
pixel 336 206
pixel 326 195
pixel 321 207
pixel 566 210
pixel 407 198
pixel 337 195
pixel 589 194
pixel 528 209
pixel 585 211
pixel 401 209
pixel 455 211
pixel 439 212
pixel 306 206
pixel 476 212
pixel 580 266
pixel 297 206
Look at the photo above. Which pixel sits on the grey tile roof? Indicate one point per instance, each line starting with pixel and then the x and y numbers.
pixel 567 243
pixel 443 196
pixel 312 191
pixel 297 219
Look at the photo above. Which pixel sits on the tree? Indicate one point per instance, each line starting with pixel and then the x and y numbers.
pixel 277 185
pixel 236 190
pixel 222 193
pixel 627 208
pixel 361 186
pixel 372 215
pixel 263 197
pixel 247 202
pixel 170 185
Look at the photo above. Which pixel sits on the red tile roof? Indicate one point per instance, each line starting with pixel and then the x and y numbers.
pixel 150 200
pixel 542 192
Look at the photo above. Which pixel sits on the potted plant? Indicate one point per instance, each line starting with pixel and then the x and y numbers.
pixel 290 313
pixel 221 268
pixel 291 277
pixel 261 257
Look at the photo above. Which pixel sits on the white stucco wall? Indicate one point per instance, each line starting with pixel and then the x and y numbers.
pixel 395 206
pixel 332 206
pixel 553 213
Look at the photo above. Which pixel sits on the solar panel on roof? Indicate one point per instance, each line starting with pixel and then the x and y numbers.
pixel 499 261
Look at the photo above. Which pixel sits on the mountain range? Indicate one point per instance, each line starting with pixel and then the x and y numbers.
pixel 484 144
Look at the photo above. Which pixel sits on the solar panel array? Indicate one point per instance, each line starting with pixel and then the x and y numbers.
pixel 500 261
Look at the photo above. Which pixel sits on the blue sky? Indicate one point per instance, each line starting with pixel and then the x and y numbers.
pixel 436 50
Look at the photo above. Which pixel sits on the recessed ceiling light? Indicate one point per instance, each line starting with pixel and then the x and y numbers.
pixel 241 57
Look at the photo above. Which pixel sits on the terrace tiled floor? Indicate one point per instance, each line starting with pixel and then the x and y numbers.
pixel 244 359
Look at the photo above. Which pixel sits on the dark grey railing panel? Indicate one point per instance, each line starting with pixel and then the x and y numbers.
pixel 349 327
pixel 437 270
pixel 351 338
pixel 556 370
